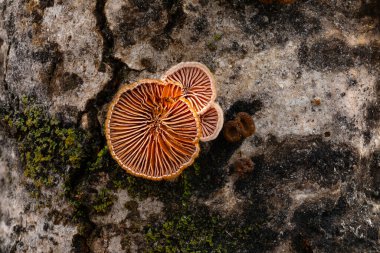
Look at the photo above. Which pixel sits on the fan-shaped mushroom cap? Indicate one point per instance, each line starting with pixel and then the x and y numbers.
pixel 198 83
pixel 151 131
pixel 211 122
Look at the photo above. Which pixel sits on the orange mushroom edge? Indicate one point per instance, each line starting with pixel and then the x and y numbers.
pixel 152 131
pixel 198 83
pixel 211 122
pixel 199 87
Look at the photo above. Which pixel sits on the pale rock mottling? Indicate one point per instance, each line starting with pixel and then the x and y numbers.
pixel 72 26
pixel 58 56
pixel 25 225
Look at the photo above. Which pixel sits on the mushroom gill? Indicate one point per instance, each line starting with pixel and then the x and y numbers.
pixel 151 131
pixel 198 83
pixel 211 122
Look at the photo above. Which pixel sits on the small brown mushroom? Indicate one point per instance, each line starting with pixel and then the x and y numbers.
pixel 211 122
pixel 198 83
pixel 151 131
pixel 248 126
pixel 232 131
pixel 243 166
pixel 316 101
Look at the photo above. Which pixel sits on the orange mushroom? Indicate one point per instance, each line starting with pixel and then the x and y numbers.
pixel 211 122
pixel 151 131
pixel 198 83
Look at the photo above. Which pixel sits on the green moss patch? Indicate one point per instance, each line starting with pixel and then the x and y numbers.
pixel 47 148
pixel 103 202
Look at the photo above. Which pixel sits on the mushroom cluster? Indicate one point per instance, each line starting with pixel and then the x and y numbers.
pixel 153 127
pixel 241 127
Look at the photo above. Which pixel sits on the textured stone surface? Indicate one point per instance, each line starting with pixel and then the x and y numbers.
pixel 25 224
pixel 308 74
pixel 55 53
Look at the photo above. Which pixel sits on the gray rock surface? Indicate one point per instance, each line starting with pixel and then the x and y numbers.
pixel 55 53
pixel 26 226
pixel 308 73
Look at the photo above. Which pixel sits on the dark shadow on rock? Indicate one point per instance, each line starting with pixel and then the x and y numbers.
pixel 374 166
pixel 370 8
pixel 79 244
pixel 293 165
pixel 334 54
pixel 212 174
pixel 310 160
pixel 250 107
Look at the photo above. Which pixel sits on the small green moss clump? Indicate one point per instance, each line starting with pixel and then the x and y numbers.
pixel 212 44
pixel 47 148
pixel 184 233
pixel 102 162
pixel 103 202
pixel 197 229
